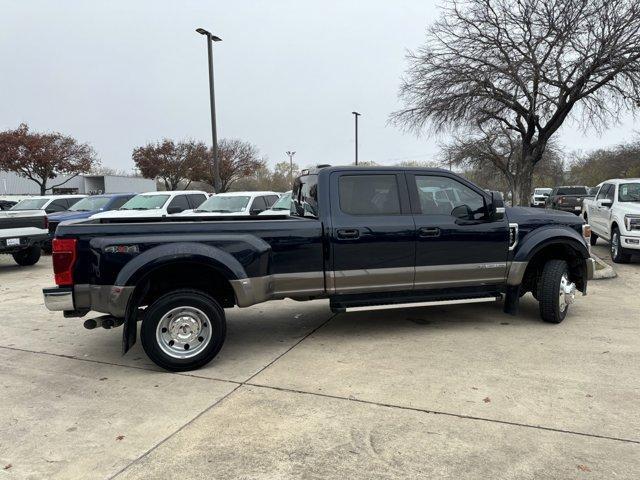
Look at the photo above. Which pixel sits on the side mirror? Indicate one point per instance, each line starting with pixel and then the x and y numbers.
pixel 496 209
pixel 605 202
pixel 173 210
pixel 255 211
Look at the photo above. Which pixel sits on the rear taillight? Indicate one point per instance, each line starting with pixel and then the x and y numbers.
pixel 64 258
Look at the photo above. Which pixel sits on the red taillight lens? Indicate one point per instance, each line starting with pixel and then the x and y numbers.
pixel 64 257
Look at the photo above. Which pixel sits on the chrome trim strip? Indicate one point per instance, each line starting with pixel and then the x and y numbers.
pixel 515 235
pixel 421 304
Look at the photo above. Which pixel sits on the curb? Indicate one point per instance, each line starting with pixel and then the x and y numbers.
pixel 605 270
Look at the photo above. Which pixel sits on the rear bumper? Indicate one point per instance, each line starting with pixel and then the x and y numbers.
pixel 58 299
pixel 79 299
pixel 24 242
pixel 577 209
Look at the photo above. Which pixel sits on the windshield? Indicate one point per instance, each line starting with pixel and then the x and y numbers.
pixel 542 191
pixel 145 202
pixel 629 192
pixel 572 191
pixel 224 204
pixel 90 204
pixel 30 204
pixel 284 203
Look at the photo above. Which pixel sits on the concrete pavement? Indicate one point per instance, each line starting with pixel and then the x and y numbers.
pixel 454 392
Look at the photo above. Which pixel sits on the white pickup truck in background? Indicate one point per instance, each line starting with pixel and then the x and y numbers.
pixel 614 216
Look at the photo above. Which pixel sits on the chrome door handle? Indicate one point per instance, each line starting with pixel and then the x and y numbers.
pixel 348 233
pixel 429 232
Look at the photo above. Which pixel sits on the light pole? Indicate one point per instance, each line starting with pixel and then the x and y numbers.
pixel 356 115
pixel 291 154
pixel 214 134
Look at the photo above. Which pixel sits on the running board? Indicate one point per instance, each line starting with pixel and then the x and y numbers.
pixel 390 306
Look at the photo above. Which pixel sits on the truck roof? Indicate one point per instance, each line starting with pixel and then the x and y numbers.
pixel 342 168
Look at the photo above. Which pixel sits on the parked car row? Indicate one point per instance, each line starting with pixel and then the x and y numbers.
pixel 24 228
pixel 612 208
pixel 30 224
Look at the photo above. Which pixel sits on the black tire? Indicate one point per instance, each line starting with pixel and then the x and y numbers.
pixel 618 254
pixel 593 239
pixel 549 291
pixel 154 337
pixel 28 256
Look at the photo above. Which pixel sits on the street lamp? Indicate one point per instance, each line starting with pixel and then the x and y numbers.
pixel 291 154
pixel 356 115
pixel 214 134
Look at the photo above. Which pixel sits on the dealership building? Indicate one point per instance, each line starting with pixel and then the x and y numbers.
pixel 12 184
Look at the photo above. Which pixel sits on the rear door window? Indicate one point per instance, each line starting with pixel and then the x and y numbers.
pixel 271 199
pixel 369 194
pixel 59 205
pixel 259 204
pixel 180 201
pixel 195 200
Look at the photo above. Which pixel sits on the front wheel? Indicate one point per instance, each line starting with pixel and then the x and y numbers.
pixel 555 291
pixel 28 256
pixel 183 330
pixel 618 254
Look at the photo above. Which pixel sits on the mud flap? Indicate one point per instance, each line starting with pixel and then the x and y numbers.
pixel 129 333
pixel 512 300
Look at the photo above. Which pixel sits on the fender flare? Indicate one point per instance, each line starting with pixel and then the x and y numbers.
pixel 166 254
pixel 546 236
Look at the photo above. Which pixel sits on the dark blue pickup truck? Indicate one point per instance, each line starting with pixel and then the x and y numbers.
pixel 365 238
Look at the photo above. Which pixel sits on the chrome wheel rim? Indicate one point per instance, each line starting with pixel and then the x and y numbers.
pixel 567 293
pixel 183 332
pixel 614 245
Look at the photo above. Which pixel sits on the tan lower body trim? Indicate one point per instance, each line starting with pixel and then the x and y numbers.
pixel 250 291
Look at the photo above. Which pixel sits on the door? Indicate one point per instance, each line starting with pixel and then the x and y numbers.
pixel 457 243
pixel 372 233
pixel 599 213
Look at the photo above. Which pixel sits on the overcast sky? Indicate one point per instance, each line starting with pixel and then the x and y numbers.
pixel 119 74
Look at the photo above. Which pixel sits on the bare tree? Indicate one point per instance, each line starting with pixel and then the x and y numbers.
pixel 41 157
pixel 592 168
pixel 172 162
pixel 493 160
pixel 238 159
pixel 524 66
